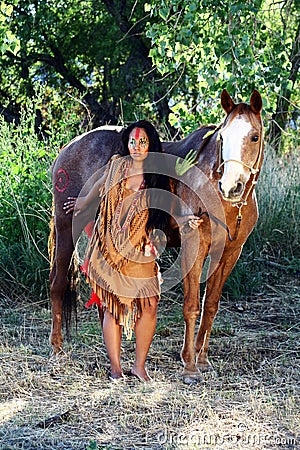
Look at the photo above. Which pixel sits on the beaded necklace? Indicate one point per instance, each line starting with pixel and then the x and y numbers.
pixel 131 210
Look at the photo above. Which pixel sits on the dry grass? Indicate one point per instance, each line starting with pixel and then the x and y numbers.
pixel 251 401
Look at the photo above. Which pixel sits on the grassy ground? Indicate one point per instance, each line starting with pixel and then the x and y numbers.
pixel 250 401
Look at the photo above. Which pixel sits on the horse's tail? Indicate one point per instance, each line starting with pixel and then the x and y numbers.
pixel 52 240
pixel 71 295
pixel 69 303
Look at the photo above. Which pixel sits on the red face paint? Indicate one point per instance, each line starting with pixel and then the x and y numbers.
pixel 137 132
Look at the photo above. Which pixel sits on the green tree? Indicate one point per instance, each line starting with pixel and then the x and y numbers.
pixel 237 45
pixel 8 43
pixel 95 51
pixel 168 60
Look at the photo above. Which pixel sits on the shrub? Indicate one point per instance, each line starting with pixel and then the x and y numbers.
pixel 25 192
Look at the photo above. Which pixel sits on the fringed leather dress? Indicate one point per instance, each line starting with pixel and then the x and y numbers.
pixel 119 271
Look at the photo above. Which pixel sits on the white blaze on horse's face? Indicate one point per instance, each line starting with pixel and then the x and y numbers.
pixel 235 174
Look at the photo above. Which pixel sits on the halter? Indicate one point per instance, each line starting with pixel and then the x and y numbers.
pixel 254 170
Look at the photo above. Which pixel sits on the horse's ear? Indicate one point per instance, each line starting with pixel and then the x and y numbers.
pixel 227 102
pixel 256 102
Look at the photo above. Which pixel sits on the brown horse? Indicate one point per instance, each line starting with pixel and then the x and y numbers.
pixel 219 188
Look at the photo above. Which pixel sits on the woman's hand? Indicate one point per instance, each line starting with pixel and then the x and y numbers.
pixel 77 204
pixel 194 222
pixel 190 221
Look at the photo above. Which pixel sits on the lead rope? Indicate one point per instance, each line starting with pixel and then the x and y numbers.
pixel 219 222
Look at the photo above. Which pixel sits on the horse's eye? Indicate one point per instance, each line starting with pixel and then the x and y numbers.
pixel 254 138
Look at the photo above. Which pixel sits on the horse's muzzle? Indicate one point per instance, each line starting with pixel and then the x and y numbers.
pixel 235 193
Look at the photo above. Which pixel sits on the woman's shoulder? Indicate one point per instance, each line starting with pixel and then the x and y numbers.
pixel 113 161
pixel 115 157
pixel 117 165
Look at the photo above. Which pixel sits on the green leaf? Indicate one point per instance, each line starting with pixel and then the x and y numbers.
pixel 163 12
pixel 7 10
pixel 173 119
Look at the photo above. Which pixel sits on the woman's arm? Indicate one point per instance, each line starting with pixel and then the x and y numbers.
pixel 182 221
pixel 80 204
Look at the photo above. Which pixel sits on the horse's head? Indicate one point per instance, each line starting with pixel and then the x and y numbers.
pixel 241 145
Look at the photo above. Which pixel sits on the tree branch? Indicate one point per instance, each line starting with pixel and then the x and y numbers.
pixel 100 115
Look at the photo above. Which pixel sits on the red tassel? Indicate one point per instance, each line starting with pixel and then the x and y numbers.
pixel 94 299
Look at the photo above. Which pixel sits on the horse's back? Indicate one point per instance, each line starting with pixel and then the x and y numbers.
pixel 81 158
pixel 90 150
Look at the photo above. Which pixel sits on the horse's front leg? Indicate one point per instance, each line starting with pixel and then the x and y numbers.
pixel 210 307
pixel 191 312
pixel 191 306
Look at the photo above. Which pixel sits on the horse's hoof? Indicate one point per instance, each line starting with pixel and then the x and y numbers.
pixel 191 377
pixel 205 367
pixel 56 346
pixel 56 342
pixel 58 355
pixel 191 380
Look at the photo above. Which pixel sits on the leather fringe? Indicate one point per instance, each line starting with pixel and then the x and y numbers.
pixel 125 315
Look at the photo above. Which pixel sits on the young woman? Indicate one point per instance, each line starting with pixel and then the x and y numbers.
pixel 122 268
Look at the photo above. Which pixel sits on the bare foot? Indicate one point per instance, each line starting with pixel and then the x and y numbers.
pixel 140 373
pixel 114 376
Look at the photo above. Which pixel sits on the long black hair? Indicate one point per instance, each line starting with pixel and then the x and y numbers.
pixel 153 175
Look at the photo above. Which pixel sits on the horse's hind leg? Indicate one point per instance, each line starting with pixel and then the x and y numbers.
pixel 210 307
pixel 58 284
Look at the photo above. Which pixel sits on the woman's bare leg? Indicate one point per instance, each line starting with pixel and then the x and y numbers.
pixel 144 332
pixel 112 335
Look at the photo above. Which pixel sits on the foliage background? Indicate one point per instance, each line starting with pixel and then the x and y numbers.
pixel 67 67
pixel 168 60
